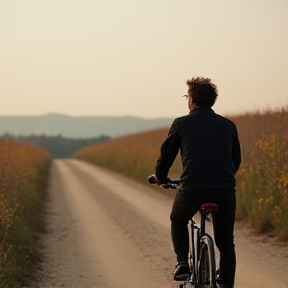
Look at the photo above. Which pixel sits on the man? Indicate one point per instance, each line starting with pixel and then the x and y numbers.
pixel 211 155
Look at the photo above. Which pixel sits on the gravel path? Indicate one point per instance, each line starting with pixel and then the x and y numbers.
pixel 105 230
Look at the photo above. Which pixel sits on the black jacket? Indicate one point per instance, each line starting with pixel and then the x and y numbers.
pixel 209 147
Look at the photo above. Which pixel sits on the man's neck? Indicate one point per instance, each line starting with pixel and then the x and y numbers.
pixel 193 106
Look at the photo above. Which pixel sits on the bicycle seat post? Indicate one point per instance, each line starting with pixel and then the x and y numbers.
pixel 202 222
pixel 205 209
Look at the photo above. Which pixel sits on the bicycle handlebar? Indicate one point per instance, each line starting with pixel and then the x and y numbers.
pixel 173 184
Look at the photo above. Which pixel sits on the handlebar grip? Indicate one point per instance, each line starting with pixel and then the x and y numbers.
pixel 152 179
pixel 173 184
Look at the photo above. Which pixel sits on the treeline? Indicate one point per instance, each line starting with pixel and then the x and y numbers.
pixel 59 146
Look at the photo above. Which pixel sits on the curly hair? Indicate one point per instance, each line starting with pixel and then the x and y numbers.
pixel 202 90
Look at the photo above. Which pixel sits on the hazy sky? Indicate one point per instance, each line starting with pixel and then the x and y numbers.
pixel 133 57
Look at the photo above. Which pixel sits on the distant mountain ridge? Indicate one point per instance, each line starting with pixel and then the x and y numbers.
pixel 78 126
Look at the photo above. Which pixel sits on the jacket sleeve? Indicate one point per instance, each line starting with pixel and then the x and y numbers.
pixel 236 152
pixel 168 153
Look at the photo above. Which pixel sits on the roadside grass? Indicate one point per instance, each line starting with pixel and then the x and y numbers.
pixel 262 189
pixel 23 174
pixel 134 155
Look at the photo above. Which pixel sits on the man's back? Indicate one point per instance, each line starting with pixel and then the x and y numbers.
pixel 210 149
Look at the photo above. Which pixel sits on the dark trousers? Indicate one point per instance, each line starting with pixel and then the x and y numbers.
pixel 186 205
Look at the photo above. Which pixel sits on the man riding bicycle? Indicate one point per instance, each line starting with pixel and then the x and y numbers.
pixel 211 155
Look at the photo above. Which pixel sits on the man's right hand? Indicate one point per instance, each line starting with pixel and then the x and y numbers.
pixel 158 182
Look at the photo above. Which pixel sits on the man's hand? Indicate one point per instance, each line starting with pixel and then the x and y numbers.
pixel 157 180
pixel 163 181
pixel 154 180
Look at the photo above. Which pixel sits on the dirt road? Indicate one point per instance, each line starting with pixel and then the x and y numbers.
pixel 106 231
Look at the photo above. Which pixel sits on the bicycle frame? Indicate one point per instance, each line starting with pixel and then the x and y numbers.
pixel 195 247
pixel 192 255
pixel 197 237
pixel 201 253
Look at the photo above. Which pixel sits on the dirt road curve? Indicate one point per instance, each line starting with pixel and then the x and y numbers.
pixel 107 231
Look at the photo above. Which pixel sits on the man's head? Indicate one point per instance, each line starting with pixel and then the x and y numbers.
pixel 201 92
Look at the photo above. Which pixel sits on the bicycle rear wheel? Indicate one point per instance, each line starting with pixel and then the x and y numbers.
pixel 207 266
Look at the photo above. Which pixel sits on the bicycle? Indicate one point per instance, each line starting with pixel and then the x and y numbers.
pixel 201 258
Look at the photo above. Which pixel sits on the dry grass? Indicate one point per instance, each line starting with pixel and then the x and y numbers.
pixel 23 174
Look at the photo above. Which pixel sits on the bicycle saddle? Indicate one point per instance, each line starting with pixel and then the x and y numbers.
pixel 209 207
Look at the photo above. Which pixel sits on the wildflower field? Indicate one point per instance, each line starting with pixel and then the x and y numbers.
pixel 23 174
pixel 262 190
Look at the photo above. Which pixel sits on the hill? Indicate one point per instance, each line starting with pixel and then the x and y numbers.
pixel 78 127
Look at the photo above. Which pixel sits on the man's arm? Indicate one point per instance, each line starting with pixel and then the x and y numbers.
pixel 236 152
pixel 169 151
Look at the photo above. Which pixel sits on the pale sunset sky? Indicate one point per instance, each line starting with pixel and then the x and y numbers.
pixel 133 57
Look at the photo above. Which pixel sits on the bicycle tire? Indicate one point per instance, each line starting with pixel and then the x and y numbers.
pixel 207 267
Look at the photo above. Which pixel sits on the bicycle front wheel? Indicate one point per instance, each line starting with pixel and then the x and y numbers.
pixel 207 266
